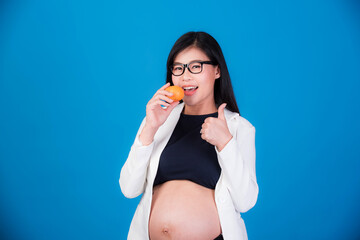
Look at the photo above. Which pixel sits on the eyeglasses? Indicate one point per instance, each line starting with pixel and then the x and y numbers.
pixel 194 67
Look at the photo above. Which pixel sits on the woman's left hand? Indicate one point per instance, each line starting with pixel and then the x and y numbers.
pixel 215 130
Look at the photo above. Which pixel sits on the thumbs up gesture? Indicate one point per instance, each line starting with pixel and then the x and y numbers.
pixel 215 130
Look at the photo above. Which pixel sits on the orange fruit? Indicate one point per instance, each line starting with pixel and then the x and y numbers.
pixel 178 92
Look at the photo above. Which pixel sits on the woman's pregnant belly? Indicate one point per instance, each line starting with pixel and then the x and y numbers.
pixel 182 209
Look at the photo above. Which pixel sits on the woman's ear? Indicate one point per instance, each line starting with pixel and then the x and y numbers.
pixel 217 72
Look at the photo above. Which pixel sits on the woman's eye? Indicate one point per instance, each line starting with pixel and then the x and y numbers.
pixel 195 66
pixel 177 68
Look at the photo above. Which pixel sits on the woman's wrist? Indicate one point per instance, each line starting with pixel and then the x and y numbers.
pixel 147 135
pixel 222 146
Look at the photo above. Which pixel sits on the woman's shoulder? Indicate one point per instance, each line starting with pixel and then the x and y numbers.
pixel 239 120
pixel 245 122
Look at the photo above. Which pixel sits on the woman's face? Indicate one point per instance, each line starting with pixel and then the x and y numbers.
pixel 198 88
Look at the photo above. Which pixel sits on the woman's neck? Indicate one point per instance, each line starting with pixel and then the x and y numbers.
pixel 199 110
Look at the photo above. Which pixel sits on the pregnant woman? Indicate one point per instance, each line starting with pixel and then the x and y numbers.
pixel 194 161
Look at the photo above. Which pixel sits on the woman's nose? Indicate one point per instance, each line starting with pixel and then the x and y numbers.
pixel 187 74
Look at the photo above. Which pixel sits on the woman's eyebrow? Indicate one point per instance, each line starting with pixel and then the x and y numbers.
pixel 196 60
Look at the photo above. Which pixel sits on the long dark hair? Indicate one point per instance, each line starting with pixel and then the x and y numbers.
pixel 223 90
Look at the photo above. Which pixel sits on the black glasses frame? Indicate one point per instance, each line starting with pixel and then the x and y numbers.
pixel 187 66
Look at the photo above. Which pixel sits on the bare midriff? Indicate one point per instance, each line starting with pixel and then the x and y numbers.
pixel 182 209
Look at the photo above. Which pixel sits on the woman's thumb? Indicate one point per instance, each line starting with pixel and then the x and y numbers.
pixel 221 114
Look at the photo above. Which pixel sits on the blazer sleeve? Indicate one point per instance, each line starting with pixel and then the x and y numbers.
pixel 133 174
pixel 237 161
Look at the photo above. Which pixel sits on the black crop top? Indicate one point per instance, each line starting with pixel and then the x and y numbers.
pixel 188 156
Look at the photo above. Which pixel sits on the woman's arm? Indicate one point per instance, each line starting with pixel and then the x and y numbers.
pixel 237 161
pixel 133 174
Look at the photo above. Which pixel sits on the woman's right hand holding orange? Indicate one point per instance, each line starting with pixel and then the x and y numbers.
pixel 155 114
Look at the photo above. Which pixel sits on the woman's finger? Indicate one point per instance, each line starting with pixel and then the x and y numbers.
pixel 172 106
pixel 164 92
pixel 165 86
pixel 162 97
pixel 154 102
pixel 159 102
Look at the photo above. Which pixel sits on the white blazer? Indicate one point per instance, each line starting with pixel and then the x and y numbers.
pixel 236 190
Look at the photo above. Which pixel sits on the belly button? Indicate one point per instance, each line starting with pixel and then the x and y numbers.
pixel 165 230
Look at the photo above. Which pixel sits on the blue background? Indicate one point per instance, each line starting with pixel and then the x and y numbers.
pixel 75 77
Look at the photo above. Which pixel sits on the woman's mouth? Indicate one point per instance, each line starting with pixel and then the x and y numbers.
pixel 188 91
